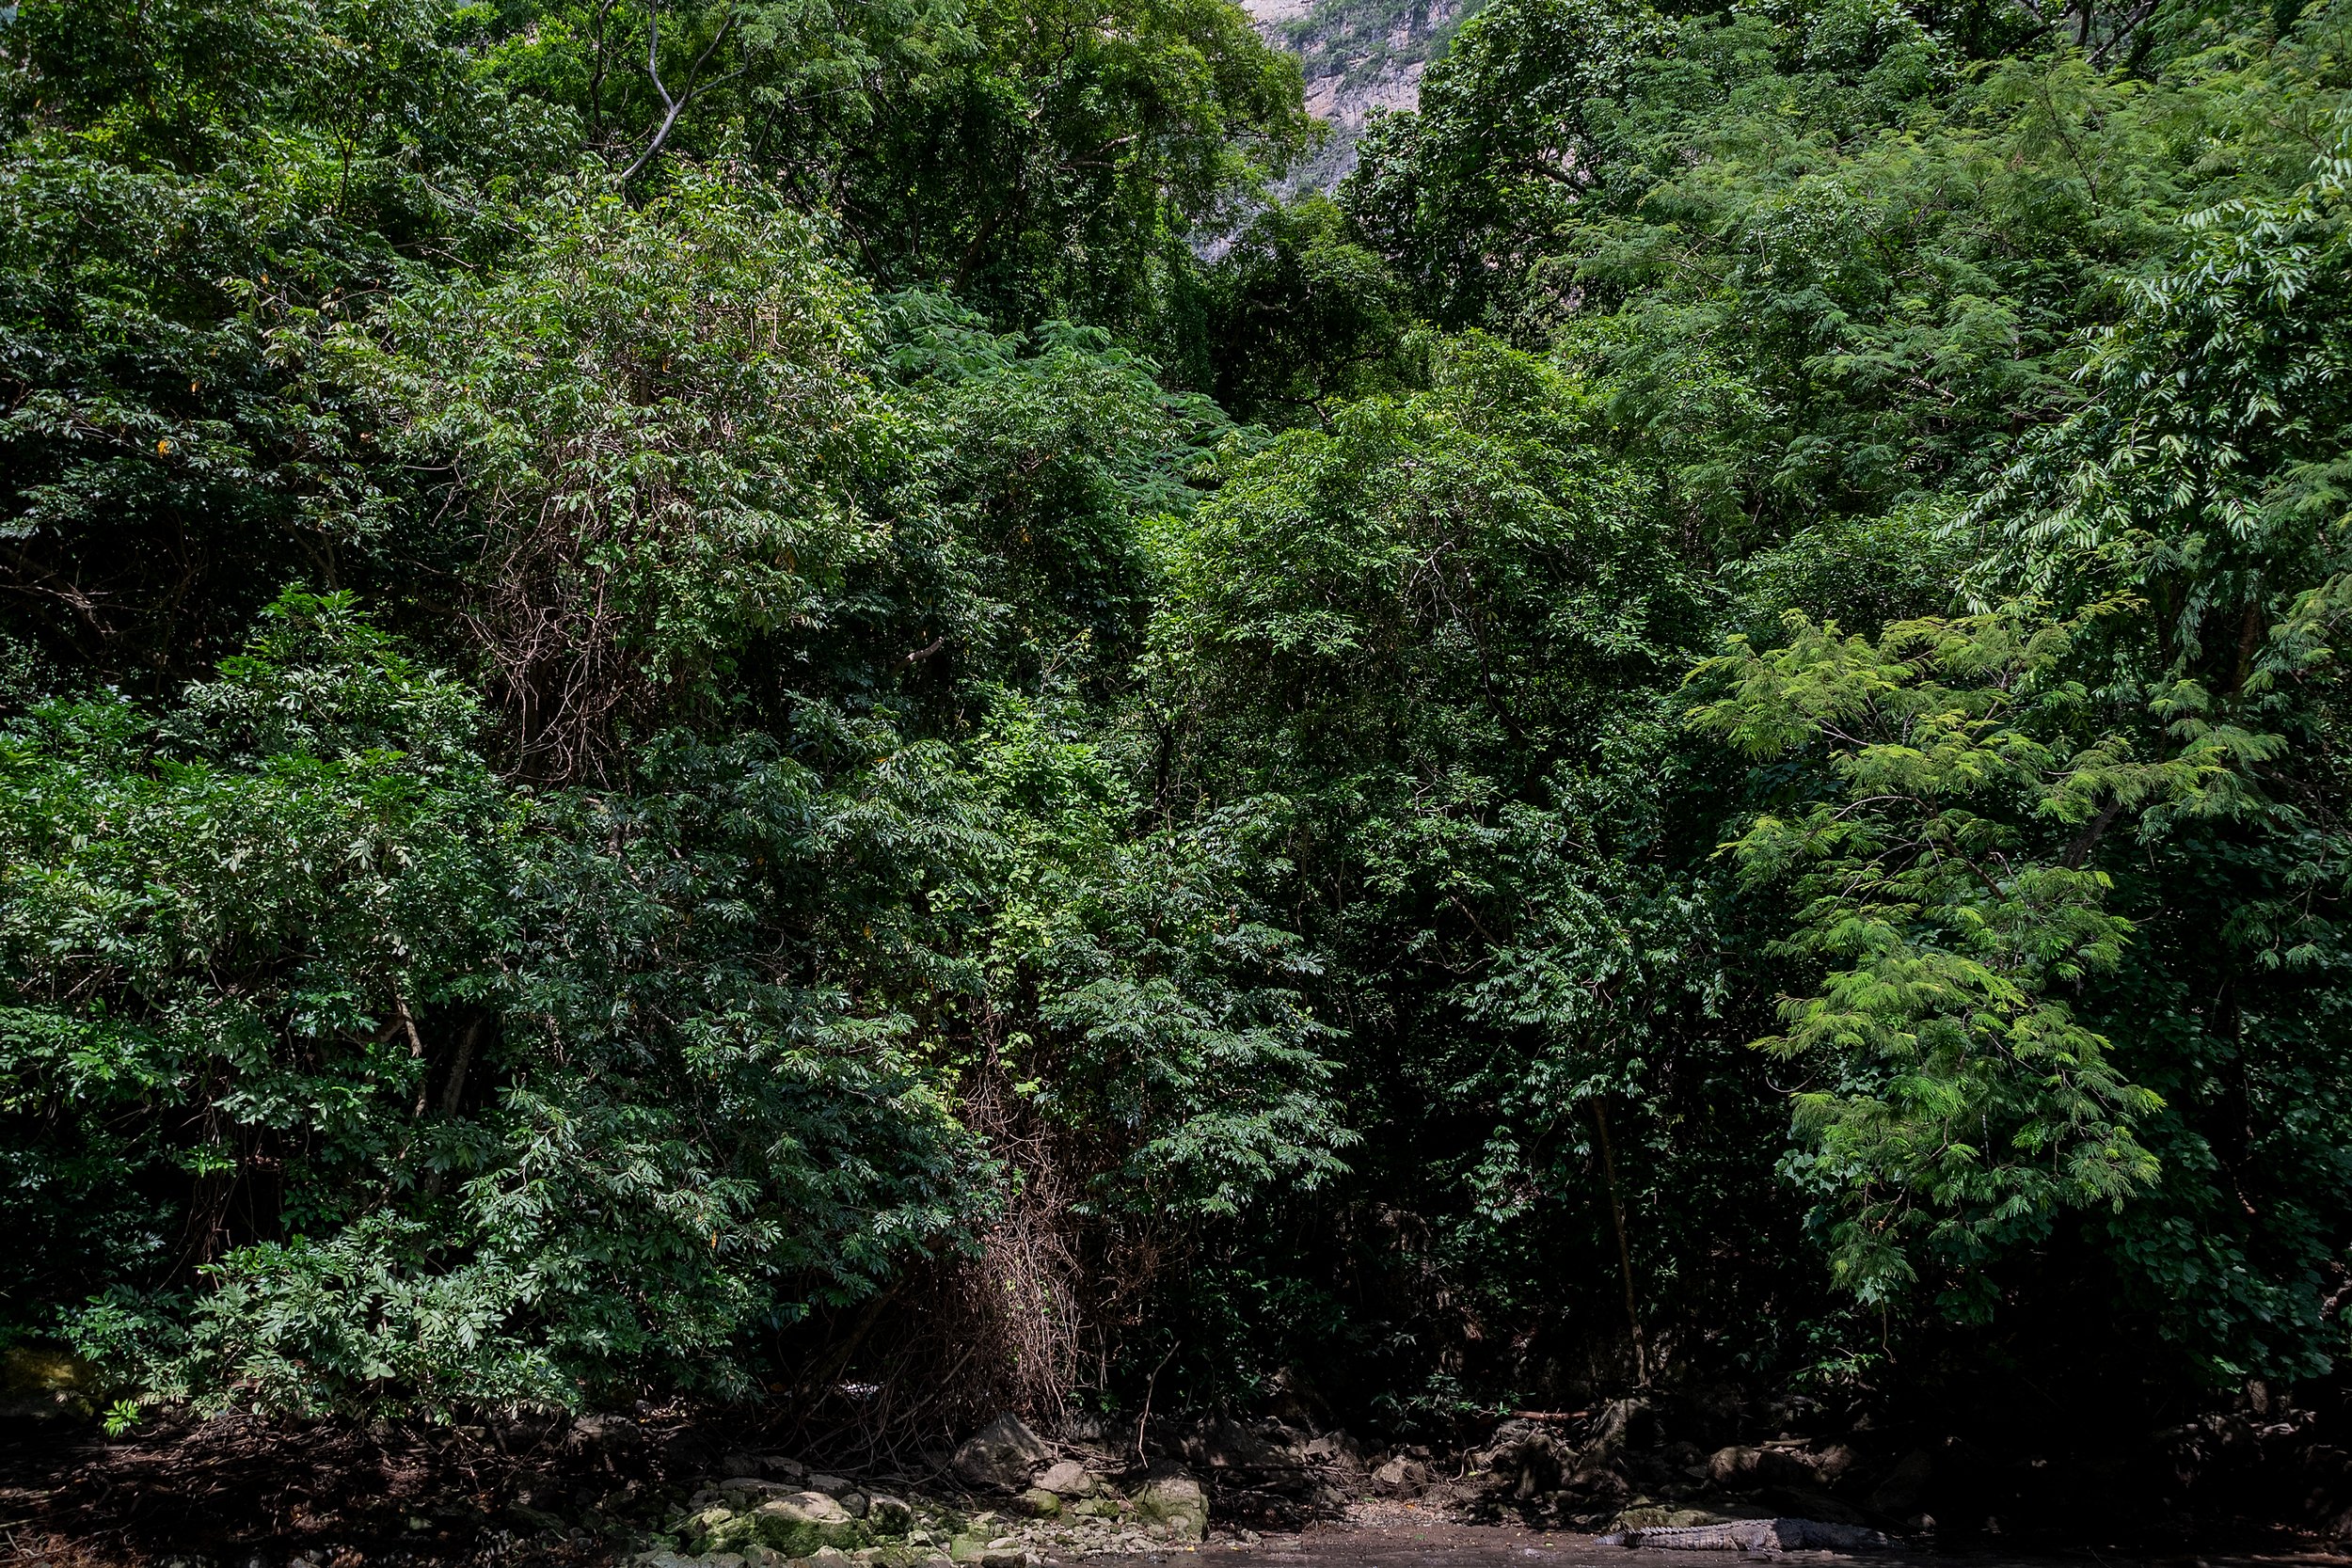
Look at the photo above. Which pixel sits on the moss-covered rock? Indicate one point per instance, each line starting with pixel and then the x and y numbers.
pixel 807 1523
pixel 1176 1503
pixel 1662 1517
pixel 717 1529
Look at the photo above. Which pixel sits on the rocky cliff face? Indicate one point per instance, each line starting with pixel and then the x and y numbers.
pixel 1361 55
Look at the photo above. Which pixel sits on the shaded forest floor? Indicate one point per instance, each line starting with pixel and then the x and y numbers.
pixel 243 1493
pixel 238 1492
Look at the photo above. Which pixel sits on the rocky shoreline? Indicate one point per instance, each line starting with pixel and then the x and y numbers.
pixel 1017 1506
pixel 1008 1498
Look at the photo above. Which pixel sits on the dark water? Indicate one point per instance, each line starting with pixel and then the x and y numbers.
pixel 1403 1542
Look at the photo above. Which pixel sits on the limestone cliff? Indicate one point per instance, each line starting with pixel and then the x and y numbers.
pixel 1359 55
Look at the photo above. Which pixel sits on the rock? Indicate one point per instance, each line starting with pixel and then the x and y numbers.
pixel 1657 1517
pixel 527 1518
pixel 805 1523
pixel 1778 1465
pixel 1401 1478
pixel 1521 1462
pixel 1734 1465
pixel 833 1486
pixel 1002 1455
pixel 1336 1451
pixel 607 1432
pixel 1803 1504
pixel 1297 1401
pixel 1898 1494
pixel 1624 1426
pixel 966 1548
pixel 1039 1503
pixel 1097 1507
pixel 1069 1479
pixel 1272 1510
pixel 814 1507
pixel 828 1556
pixel 1831 1463
pixel 1177 1502
pixel 1223 1445
pixel 1752 1535
pixel 716 1529
pixel 889 1516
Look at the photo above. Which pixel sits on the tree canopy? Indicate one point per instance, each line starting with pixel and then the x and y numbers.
pixel 694 687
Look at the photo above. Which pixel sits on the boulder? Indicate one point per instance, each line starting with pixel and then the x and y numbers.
pixel 1778 1465
pixel 1267 1510
pixel 1524 1460
pixel 1002 1456
pixel 1401 1478
pixel 889 1516
pixel 1831 1463
pixel 1270 1473
pixel 1039 1503
pixel 807 1522
pixel 717 1529
pixel 1624 1426
pixel 1175 1503
pixel 1734 1465
pixel 1221 1446
pixel 1666 1516
pixel 1069 1479
pixel 1335 1450
pixel 1800 1503
pixel 1898 1494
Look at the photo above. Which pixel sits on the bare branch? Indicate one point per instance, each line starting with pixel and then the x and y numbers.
pixel 673 107
pixel 2125 33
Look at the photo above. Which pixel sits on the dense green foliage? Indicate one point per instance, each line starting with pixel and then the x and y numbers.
pixel 682 680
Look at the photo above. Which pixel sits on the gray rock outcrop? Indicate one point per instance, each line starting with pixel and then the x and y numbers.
pixel 1003 1456
pixel 1176 1503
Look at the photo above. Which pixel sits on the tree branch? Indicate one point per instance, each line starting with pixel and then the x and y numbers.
pixel 675 106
